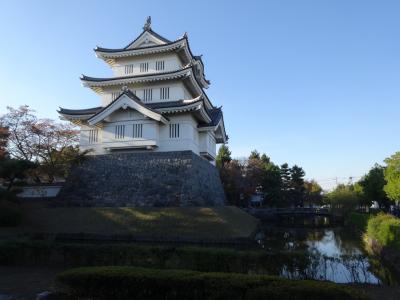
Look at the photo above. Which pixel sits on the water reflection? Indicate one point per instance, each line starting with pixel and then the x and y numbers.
pixel 323 254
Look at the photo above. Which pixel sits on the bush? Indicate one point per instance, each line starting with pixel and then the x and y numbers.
pixel 151 284
pixel 204 259
pixel 10 214
pixel 358 220
pixel 385 229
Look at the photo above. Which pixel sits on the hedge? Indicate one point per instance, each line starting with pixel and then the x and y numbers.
pixel 48 253
pixel 10 214
pixel 385 229
pixel 151 284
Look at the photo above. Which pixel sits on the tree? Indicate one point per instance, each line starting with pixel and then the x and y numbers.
pixel 51 145
pixel 272 184
pixel 12 169
pixel 223 156
pixel 373 186
pixel 3 141
pixel 392 177
pixel 343 198
pixel 234 183
pixel 313 192
pixel 285 184
pixel 254 155
pixel 297 190
pixel 19 123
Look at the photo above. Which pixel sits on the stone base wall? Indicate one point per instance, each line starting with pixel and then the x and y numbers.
pixel 143 179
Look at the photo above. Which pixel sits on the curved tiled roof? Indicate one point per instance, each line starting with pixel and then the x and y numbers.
pixel 98 79
pixel 108 50
pixel 86 111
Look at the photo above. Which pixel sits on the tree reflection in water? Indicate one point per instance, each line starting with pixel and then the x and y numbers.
pixel 323 254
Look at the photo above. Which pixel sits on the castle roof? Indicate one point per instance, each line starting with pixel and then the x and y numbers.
pixel 188 72
pixel 210 117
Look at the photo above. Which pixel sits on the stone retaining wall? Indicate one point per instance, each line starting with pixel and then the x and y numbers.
pixel 143 179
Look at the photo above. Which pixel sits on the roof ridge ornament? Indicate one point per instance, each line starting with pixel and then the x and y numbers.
pixel 147 25
pixel 124 88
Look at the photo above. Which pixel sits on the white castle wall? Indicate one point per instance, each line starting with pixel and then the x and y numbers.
pixel 171 63
pixel 177 91
pixel 154 133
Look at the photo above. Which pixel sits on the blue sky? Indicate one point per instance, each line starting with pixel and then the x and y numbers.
pixel 313 83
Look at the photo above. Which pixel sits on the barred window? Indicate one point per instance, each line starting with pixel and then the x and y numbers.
pixel 164 93
pixel 137 131
pixel 144 67
pixel 119 132
pixel 147 95
pixel 93 136
pixel 114 95
pixel 129 69
pixel 174 131
pixel 160 65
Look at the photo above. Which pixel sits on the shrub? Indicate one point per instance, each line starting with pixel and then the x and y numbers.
pixel 10 214
pixel 151 284
pixel 358 220
pixel 385 229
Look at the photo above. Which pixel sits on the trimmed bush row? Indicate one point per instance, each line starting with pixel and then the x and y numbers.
pixel 385 229
pixel 27 252
pixel 150 284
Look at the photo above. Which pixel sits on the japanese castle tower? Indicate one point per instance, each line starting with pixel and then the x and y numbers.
pixel 154 136
pixel 155 101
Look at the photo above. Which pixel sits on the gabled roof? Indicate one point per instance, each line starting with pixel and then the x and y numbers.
pixel 124 100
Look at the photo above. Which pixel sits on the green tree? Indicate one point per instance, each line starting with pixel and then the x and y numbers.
pixel 373 187
pixel 272 185
pixel 285 185
pixel 343 198
pixel 223 156
pixel 313 192
pixel 392 177
pixel 12 170
pixel 297 189
pixel 254 155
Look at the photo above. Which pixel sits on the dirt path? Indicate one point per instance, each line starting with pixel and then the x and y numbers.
pixel 25 282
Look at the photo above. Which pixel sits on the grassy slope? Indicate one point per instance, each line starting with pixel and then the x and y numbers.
pixel 185 222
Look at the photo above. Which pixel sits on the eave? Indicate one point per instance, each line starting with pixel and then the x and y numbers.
pixel 97 84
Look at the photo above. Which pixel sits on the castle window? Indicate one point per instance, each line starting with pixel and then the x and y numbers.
pixel 144 67
pixel 164 93
pixel 128 69
pixel 137 131
pixel 147 95
pixel 114 95
pixel 174 131
pixel 93 136
pixel 119 132
pixel 160 65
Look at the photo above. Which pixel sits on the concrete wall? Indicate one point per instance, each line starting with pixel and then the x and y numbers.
pixel 179 178
pixel 40 191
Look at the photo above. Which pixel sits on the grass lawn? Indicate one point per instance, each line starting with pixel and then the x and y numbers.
pixel 167 222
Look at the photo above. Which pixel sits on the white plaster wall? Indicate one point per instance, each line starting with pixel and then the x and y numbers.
pixel 207 142
pixel 171 63
pixel 177 91
pixel 189 136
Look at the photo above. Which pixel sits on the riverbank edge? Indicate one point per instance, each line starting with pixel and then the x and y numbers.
pixel 358 222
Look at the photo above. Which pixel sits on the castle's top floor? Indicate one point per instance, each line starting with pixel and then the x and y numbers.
pixel 151 53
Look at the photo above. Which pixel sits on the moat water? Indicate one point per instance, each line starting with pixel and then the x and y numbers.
pixel 324 254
